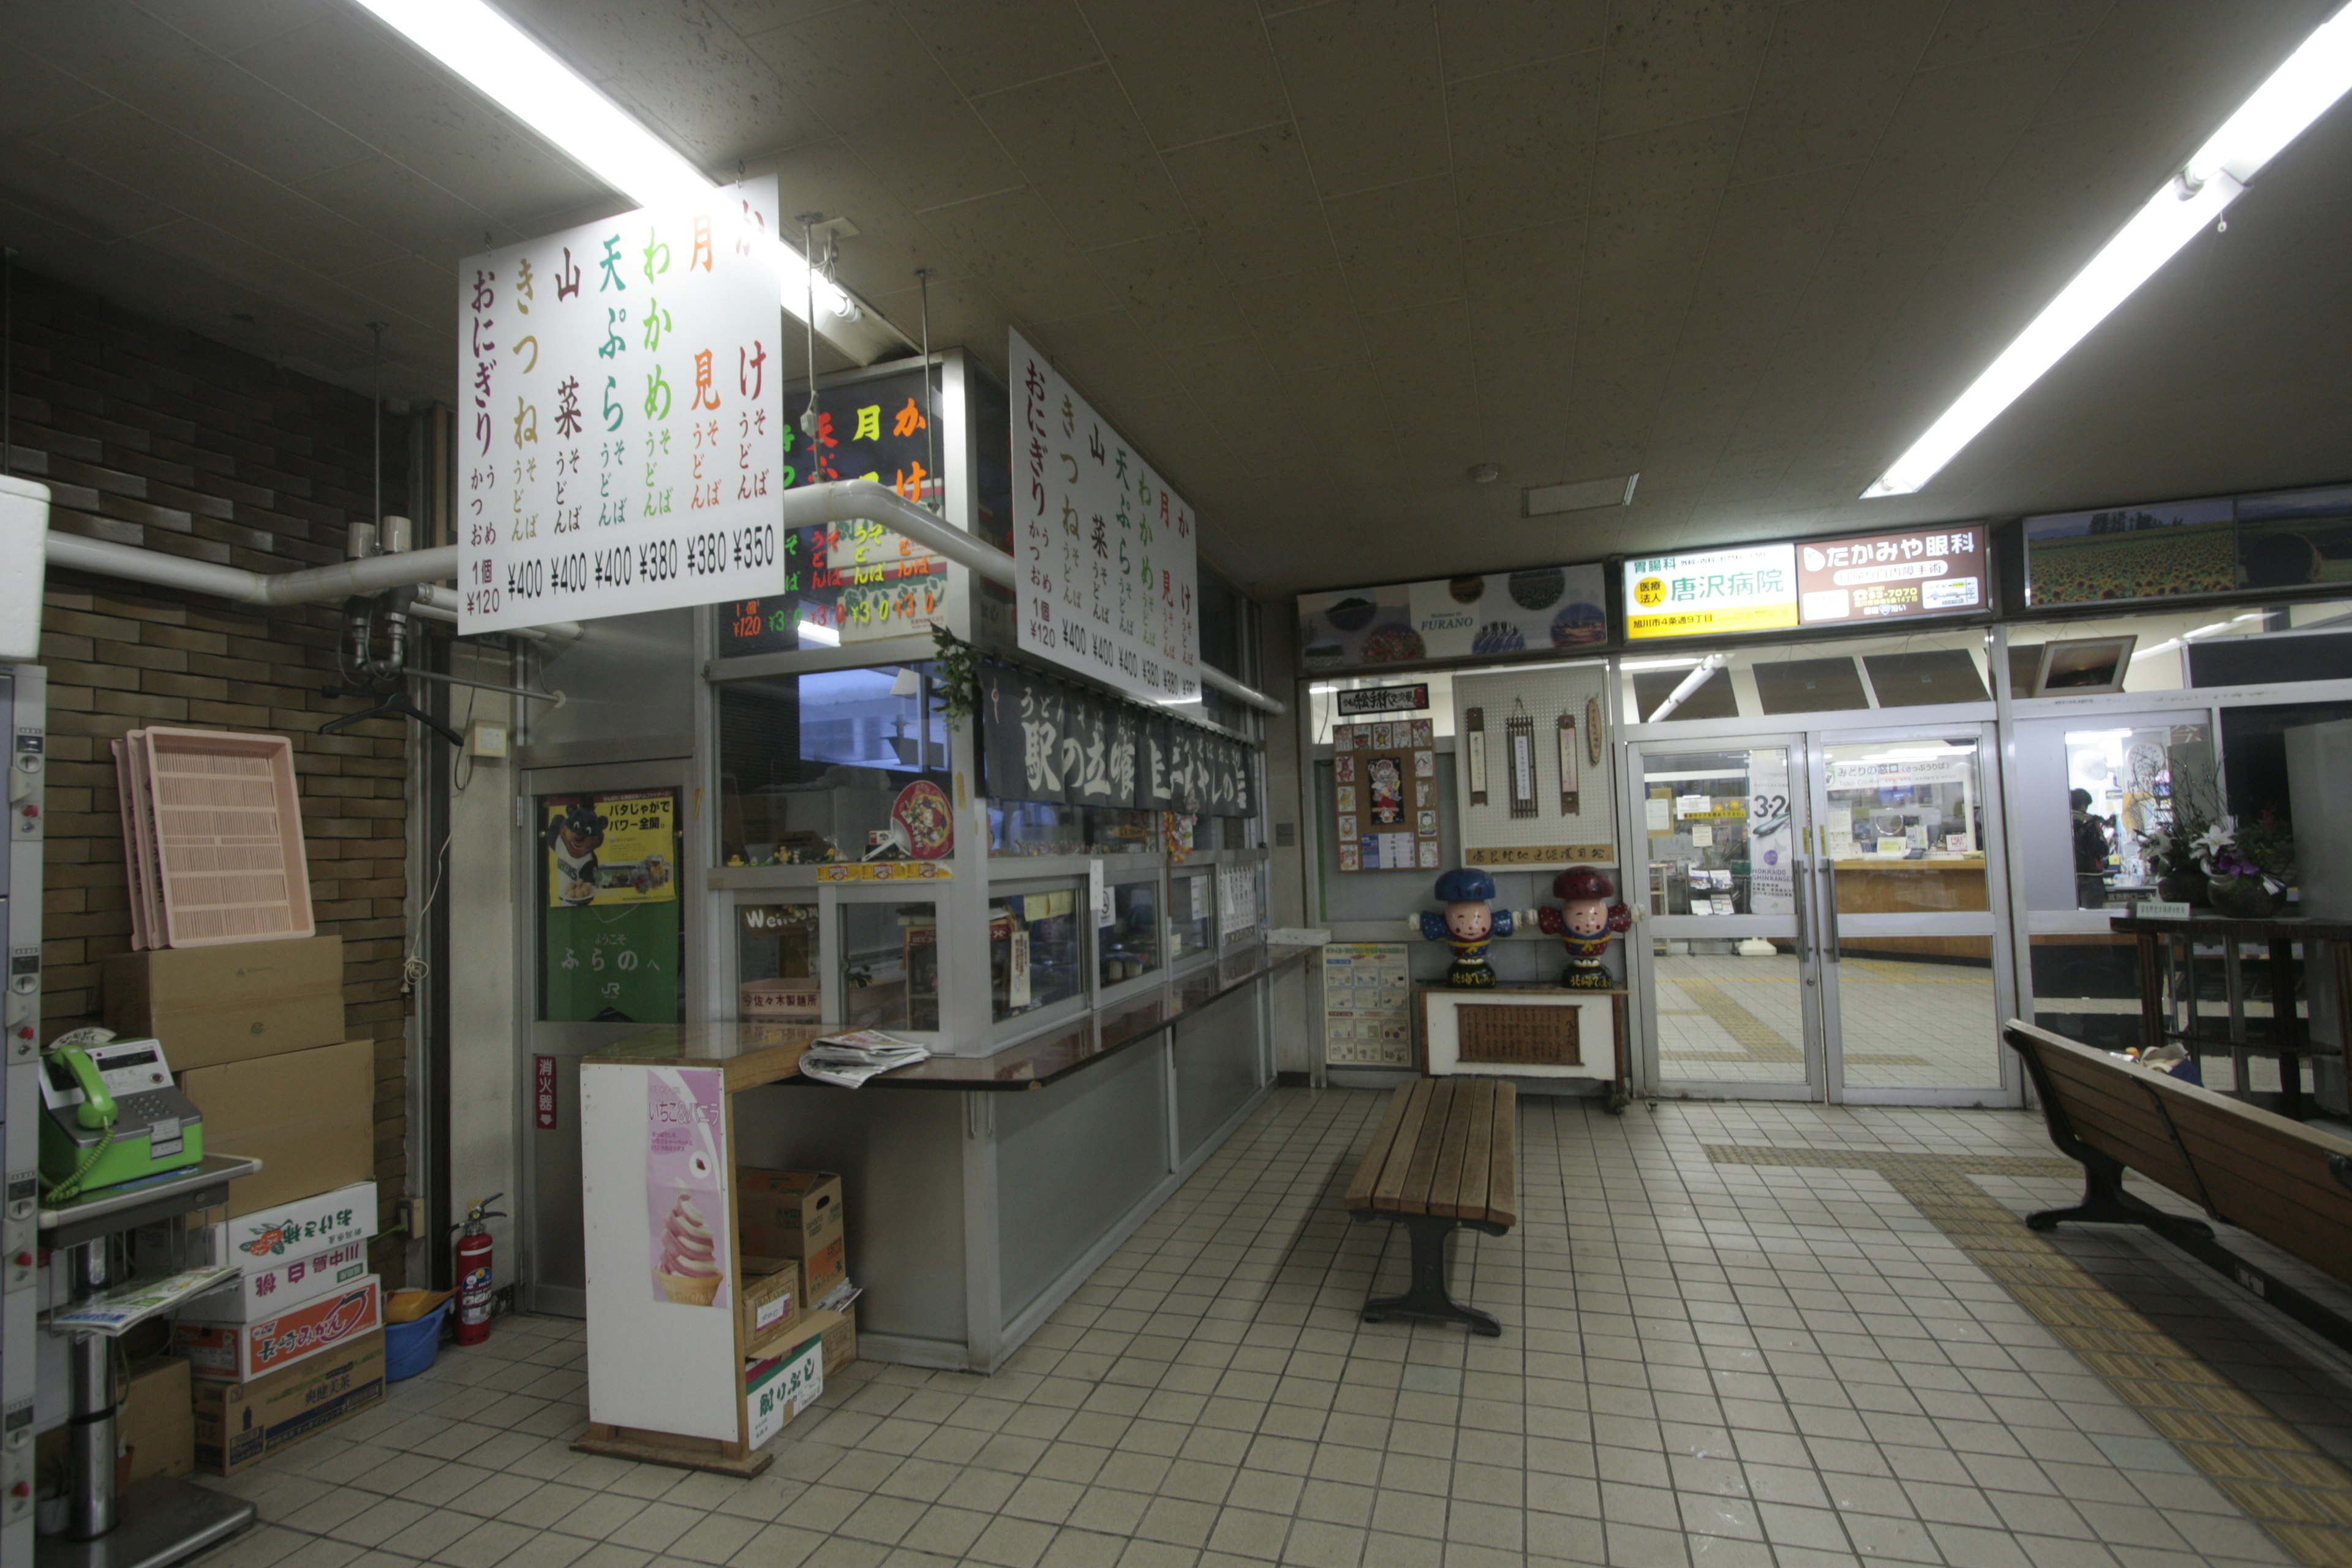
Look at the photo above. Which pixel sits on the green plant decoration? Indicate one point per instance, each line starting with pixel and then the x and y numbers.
pixel 955 675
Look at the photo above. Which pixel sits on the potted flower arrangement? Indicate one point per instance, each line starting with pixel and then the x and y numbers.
pixel 2171 853
pixel 2247 868
pixel 2173 847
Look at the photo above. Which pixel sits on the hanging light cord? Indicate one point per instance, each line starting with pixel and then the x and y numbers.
pixel 808 414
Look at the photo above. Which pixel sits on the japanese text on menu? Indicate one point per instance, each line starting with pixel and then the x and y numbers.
pixel 1106 548
pixel 621 414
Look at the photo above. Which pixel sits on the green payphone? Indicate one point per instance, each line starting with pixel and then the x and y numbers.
pixel 114 1115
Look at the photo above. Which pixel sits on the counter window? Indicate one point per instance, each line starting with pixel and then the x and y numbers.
pixel 1903 831
pixel 775 964
pixel 817 763
pixel 1035 950
pixel 1131 943
pixel 1192 915
pixel 1035 828
pixel 890 965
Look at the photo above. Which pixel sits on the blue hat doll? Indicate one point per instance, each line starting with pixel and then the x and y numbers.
pixel 1467 925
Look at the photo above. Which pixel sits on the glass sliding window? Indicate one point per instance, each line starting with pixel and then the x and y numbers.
pixel 811 765
pixel 889 965
pixel 1035 950
pixel 775 964
pixel 1129 945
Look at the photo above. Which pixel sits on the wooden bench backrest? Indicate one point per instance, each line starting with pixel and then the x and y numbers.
pixel 2257 1170
pixel 1445 1146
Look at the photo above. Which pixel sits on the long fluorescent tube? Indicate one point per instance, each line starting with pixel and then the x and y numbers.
pixel 515 71
pixel 2298 92
pixel 818 635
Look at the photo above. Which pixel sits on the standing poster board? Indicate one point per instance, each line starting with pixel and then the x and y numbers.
pixel 1107 553
pixel 1384 796
pixel 1367 1005
pixel 620 416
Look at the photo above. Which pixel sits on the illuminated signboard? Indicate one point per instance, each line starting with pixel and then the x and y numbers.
pixel 1937 571
pixel 1749 588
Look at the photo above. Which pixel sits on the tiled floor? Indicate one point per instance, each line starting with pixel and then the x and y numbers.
pixel 1729 1018
pixel 1734 1334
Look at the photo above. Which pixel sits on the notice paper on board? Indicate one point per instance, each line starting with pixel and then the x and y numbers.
pixel 620 416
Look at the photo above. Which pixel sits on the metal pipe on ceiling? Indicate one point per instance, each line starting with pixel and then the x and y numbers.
pixel 840 500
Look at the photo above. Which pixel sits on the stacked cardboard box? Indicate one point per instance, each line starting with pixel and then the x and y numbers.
pixel 255 1031
pixel 793 1222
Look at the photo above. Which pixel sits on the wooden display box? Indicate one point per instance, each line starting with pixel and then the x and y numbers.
pixel 1523 1032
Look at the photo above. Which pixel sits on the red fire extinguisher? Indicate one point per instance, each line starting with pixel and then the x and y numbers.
pixel 474 1272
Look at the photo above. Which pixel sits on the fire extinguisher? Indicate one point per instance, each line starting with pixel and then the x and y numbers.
pixel 474 1272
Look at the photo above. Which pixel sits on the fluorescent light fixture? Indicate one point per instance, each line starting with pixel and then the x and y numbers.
pixel 2298 92
pixel 816 636
pixel 1583 495
pixel 506 64
pixel 1657 663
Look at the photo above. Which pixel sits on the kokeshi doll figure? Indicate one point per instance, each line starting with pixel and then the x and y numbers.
pixel 1467 925
pixel 1587 922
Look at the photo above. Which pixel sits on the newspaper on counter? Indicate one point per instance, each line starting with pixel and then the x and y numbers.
pixel 127 1305
pixel 849 1059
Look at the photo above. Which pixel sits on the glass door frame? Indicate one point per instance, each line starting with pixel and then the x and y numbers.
pixel 1641 959
pixel 1991 924
pixel 567 1042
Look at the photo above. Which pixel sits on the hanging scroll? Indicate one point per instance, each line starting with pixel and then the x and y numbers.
pixel 1475 744
pixel 1568 774
pixel 1520 745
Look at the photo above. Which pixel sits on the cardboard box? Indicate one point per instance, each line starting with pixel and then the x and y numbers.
pixel 241 1352
pixel 156 1422
pixel 270 1286
pixel 778 1388
pixel 240 1424
pixel 840 1342
pixel 308 1116
pixel 824 1272
pixel 772 1295
pixel 212 1005
pixel 786 1214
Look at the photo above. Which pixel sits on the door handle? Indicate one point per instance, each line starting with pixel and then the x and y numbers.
pixel 1830 912
pixel 1796 873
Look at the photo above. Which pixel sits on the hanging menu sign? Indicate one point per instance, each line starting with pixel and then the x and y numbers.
pixel 1912 572
pixel 1042 740
pixel 1106 548
pixel 858 579
pixel 620 416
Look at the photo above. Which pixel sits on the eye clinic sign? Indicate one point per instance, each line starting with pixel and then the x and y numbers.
pixel 1937 571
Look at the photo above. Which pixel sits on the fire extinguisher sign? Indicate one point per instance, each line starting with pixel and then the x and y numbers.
pixel 542 1093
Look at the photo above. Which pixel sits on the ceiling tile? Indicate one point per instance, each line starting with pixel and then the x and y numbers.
pixel 1255 200
pixel 349 70
pixel 680 69
pixel 828 177
pixel 1196 70
pixel 1672 63
pixel 1482 35
pixel 1078 143
pixel 1656 194
pixel 1528 275
pixel 1363 76
pixel 1397 244
pixel 226 29
pixel 1013 242
pixel 874 85
pixel 986 45
pixel 399 205
pixel 1302 320
pixel 1953 131
pixel 69 193
pixel 1523 142
pixel 1972 30
pixel 1831 82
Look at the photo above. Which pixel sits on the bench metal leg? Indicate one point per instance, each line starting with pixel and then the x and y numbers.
pixel 1428 1297
pixel 2104 1202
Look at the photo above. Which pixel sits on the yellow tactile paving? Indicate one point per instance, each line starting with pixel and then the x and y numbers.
pixel 2302 1497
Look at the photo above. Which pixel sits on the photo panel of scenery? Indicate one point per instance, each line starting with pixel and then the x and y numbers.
pixel 2284 538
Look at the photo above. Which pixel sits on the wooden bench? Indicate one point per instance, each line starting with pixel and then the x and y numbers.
pixel 1446 1154
pixel 2280 1180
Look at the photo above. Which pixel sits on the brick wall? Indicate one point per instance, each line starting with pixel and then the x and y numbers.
pixel 154 437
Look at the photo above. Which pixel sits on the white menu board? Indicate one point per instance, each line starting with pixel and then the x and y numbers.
pixel 620 416
pixel 1107 553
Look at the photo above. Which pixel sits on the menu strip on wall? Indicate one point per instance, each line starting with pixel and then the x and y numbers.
pixel 1044 740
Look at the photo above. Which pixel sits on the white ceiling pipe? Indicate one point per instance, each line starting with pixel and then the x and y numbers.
pixel 310 585
pixel 1690 683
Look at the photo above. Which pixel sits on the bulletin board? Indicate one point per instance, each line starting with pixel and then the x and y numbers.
pixel 1532 768
pixel 1384 796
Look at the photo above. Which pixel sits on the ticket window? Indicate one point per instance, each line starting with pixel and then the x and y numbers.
pixel 1036 946
pixel 776 976
pixel 1192 915
pixel 889 965
pixel 1129 948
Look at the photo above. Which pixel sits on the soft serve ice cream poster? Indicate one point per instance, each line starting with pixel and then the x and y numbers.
pixel 686 1192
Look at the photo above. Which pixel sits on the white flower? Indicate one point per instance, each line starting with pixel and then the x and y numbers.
pixel 2221 836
